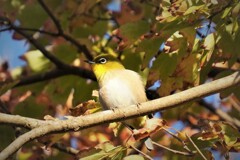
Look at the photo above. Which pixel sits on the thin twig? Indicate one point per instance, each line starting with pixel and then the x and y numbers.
pixel 38 30
pixel 5 29
pixel 179 139
pixel 80 47
pixel 54 19
pixel 66 149
pixel 48 55
pixel 55 73
pixel 173 150
pixel 196 147
pixel 142 153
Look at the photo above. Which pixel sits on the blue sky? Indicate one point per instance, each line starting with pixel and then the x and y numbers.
pixel 11 49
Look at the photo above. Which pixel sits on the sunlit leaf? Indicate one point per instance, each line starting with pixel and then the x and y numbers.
pixel 190 34
pixel 36 60
pixel 236 10
pixel 133 157
pixel 193 9
pixel 24 155
pixel 188 69
pixel 231 134
pixel 105 150
pixel 209 44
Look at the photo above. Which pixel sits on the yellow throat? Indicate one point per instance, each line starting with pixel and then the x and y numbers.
pixel 103 64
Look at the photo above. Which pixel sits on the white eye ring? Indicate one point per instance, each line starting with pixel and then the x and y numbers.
pixel 102 60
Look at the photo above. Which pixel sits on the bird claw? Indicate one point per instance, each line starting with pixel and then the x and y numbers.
pixel 114 109
pixel 138 105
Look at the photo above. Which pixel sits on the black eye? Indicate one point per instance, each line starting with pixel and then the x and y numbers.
pixel 102 60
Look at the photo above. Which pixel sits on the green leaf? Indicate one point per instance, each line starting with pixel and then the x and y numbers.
pixel 66 53
pixel 170 84
pixel 105 150
pixel 95 155
pixel 32 15
pixel 236 10
pixel 227 92
pixel 99 28
pixel 209 44
pixel 129 57
pixel 188 69
pixel 190 34
pixel 59 89
pixel 193 9
pixel 25 155
pixel 133 30
pixel 231 134
pixel 202 144
pixel 226 12
pixel 36 61
pixel 169 28
pixel 30 108
pixel 165 64
pixel 150 47
pixel 7 136
pixel 133 157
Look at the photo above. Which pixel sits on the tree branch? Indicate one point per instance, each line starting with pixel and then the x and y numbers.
pixel 38 30
pixel 84 73
pixel 80 47
pixel 48 55
pixel 54 19
pixel 123 113
pixel 21 121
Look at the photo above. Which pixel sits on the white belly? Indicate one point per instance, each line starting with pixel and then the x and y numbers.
pixel 121 92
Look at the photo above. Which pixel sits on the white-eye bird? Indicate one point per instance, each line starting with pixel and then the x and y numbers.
pixel 118 87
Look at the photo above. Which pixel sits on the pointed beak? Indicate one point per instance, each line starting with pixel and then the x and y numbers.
pixel 89 62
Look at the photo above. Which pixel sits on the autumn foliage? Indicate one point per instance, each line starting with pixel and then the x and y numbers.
pixel 173 44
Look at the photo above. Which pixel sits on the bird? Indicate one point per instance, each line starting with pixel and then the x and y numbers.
pixel 118 86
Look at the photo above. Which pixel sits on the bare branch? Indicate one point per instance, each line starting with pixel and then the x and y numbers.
pixel 21 121
pixel 179 139
pixel 38 30
pixel 54 19
pixel 123 113
pixel 84 73
pixel 48 55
